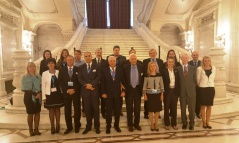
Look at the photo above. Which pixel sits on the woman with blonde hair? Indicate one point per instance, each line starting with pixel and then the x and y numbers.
pixel 153 89
pixel 205 80
pixel 31 86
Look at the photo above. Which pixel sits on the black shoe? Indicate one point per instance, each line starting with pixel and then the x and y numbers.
pixel 67 131
pixel 209 127
pixel 37 132
pixel 184 127
pixel 97 131
pixel 138 128
pixel 53 131
pixel 85 131
pixel 118 129
pixel 121 114
pixel 205 127
pixel 130 129
pixel 107 131
pixel 198 116
pixel 191 127
pixel 146 117
pixel 31 133
pixel 77 130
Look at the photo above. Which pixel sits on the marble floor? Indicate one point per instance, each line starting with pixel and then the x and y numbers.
pixel 225 130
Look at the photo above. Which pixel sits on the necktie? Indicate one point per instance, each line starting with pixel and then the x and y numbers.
pixel 195 64
pixel 98 61
pixel 88 68
pixel 133 76
pixel 185 71
pixel 70 72
pixel 113 73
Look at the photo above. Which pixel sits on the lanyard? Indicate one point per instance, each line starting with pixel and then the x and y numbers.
pixel 33 87
pixel 53 78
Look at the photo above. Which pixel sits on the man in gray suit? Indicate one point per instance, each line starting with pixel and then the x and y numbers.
pixel 187 80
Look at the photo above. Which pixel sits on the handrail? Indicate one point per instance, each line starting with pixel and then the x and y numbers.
pixel 153 41
pixel 75 41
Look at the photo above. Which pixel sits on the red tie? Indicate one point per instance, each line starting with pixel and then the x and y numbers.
pixel 185 71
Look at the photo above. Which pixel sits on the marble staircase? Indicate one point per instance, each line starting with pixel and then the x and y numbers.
pixel 107 38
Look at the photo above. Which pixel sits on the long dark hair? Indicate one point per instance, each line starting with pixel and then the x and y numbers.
pixel 45 52
pixel 175 57
pixel 62 58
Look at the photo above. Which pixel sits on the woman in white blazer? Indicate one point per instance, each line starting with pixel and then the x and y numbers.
pixel 51 94
pixel 205 79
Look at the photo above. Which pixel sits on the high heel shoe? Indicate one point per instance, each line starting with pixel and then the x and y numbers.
pixel 156 127
pixel 152 127
pixel 57 129
pixel 209 127
pixel 36 131
pixel 31 133
pixel 53 130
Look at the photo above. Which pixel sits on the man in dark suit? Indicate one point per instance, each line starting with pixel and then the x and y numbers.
pixel 70 86
pixel 195 62
pixel 159 63
pixel 187 82
pixel 102 63
pixel 119 58
pixel 133 83
pixel 89 77
pixel 119 61
pixel 111 79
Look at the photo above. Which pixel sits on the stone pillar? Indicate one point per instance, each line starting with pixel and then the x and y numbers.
pixel 21 57
pixel 2 80
pixel 216 53
pixel 2 87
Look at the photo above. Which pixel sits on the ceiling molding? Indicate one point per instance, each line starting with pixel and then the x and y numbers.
pixel 40 6
pixel 179 7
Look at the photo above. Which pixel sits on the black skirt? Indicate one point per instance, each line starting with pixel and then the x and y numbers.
pixel 55 99
pixel 31 106
pixel 207 95
pixel 154 102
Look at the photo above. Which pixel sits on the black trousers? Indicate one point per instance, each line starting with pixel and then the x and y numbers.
pixel 68 100
pixel 146 112
pixel 102 105
pixel 198 104
pixel 91 108
pixel 113 105
pixel 133 102
pixel 170 105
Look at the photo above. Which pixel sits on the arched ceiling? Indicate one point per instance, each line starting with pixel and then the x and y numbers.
pixel 46 9
pixel 173 9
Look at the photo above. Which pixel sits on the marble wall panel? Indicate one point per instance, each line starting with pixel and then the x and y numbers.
pixel 9 42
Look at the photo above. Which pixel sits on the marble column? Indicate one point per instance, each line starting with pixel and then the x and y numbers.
pixel 2 80
pixel 21 57
pixel 216 53
pixel 233 67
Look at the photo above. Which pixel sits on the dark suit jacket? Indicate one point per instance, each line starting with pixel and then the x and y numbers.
pixel 126 77
pixel 191 63
pixel 120 60
pixel 43 67
pixel 110 87
pixel 146 62
pixel 64 79
pixel 188 83
pixel 103 63
pixel 166 81
pixel 93 78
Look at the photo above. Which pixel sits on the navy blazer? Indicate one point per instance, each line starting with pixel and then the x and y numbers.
pixel 64 78
pixel 166 81
pixel 103 63
pixel 110 87
pixel 93 78
pixel 191 63
pixel 126 77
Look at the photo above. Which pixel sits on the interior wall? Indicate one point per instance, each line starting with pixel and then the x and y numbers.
pixel 48 38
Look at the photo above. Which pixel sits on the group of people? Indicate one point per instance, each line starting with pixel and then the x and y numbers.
pixel 63 83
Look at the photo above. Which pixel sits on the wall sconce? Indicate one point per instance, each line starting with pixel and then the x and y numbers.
pixel 220 40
